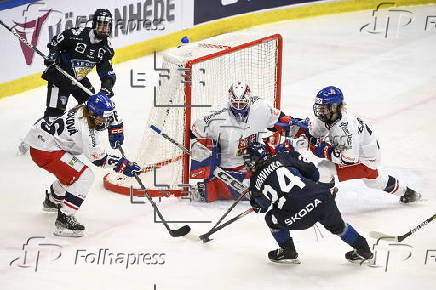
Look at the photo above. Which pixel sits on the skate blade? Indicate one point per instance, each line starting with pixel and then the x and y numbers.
pixel 287 261
pixel 49 209
pixel 368 262
pixel 68 233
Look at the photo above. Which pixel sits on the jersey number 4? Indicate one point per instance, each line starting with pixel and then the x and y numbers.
pixel 287 180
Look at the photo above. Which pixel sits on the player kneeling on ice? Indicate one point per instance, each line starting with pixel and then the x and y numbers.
pixel 220 138
pixel 54 146
pixel 288 185
pixel 349 146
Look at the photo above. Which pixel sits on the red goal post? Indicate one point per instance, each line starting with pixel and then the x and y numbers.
pixel 199 75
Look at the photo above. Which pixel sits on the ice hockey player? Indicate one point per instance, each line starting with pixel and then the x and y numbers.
pixel 78 51
pixel 349 146
pixel 55 144
pixel 288 185
pixel 219 139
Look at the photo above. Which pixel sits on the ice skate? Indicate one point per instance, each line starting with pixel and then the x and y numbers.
pixel 68 226
pixel 284 256
pixel 48 205
pixel 359 257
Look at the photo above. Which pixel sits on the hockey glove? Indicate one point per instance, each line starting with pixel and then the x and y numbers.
pixel 323 150
pixel 285 146
pixel 116 135
pixel 52 59
pixel 128 168
pixel 106 91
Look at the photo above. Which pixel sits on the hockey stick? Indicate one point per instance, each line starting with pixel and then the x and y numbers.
pixel 183 231
pixel 238 186
pixel 23 40
pixel 379 235
pixel 205 237
pixel 157 130
pixel 219 173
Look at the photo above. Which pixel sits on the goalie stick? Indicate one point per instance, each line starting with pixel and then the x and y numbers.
pixel 226 178
pixel 183 231
pixel 23 40
pixel 383 236
pixel 157 130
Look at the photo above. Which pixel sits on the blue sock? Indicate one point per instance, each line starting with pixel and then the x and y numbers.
pixel 349 235
pixel 281 236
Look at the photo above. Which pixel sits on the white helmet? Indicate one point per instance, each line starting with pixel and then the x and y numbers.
pixel 240 100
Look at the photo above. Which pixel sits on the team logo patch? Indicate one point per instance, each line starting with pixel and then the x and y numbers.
pixel 81 68
pixel 73 162
pixel 244 142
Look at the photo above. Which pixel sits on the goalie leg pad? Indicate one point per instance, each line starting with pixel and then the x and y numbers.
pixel 216 189
pixel 205 157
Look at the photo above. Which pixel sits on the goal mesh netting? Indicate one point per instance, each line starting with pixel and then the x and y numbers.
pixel 193 80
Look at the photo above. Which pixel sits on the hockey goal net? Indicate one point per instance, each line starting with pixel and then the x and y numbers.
pixel 194 80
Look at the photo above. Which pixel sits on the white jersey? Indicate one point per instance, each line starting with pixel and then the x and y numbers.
pixel 70 133
pixel 353 139
pixel 233 136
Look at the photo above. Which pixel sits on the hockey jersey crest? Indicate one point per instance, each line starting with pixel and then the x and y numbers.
pixel 233 136
pixel 81 68
pixel 352 138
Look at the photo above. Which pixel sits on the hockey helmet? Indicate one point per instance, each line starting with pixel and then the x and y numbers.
pixel 255 155
pixel 240 100
pixel 328 104
pixel 102 23
pixel 101 109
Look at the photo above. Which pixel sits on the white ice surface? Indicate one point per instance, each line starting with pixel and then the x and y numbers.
pixel 390 81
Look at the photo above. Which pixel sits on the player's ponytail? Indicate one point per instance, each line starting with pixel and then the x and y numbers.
pixel 86 114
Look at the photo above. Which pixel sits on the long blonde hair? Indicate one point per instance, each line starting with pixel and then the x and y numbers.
pixel 85 114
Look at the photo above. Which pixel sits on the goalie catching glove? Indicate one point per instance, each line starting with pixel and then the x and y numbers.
pixel 289 126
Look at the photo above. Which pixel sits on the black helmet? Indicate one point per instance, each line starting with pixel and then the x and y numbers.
pixel 255 154
pixel 102 23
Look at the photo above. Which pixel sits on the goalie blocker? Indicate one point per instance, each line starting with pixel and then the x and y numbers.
pixel 205 157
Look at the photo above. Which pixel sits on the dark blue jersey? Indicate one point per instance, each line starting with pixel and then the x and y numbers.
pixel 77 55
pixel 284 177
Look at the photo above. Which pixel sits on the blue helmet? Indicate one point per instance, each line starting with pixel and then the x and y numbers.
pixel 255 153
pixel 99 105
pixel 329 96
pixel 328 104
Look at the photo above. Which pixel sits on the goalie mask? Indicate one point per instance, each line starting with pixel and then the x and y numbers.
pixel 255 155
pixel 101 109
pixel 328 104
pixel 102 23
pixel 240 100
